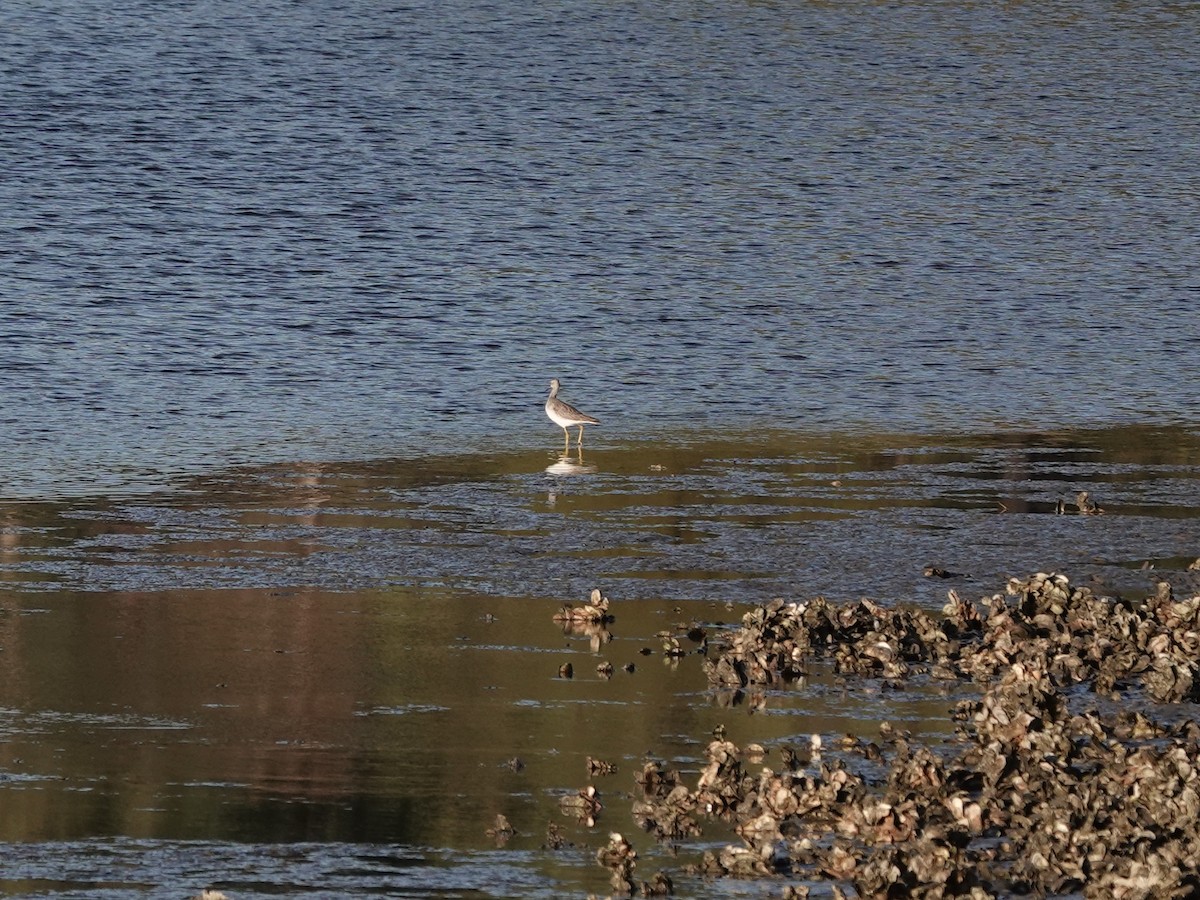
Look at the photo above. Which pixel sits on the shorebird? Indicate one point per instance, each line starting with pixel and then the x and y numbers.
pixel 564 414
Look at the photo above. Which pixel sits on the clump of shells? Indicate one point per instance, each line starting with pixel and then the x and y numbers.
pixel 1040 794
pixel 594 612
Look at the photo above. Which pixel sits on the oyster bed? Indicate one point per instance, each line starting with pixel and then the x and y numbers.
pixel 1045 790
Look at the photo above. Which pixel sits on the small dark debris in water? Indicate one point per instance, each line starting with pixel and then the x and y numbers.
pixel 566 670
pixel 936 572
pixel 629 667
pixel 516 764
pixel 646 651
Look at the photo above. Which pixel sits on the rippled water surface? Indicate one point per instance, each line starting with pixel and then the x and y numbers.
pixel 304 230
pixel 854 289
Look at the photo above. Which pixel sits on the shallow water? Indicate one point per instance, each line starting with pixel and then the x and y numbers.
pixel 740 518
pixel 319 678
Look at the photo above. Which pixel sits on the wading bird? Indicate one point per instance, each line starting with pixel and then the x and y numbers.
pixel 564 414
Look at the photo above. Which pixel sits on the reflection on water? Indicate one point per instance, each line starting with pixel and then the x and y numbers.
pixel 567 465
pixel 366 654
pixel 729 518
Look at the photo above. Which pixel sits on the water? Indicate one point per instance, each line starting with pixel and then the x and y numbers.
pixel 320 678
pixel 346 229
pixel 854 290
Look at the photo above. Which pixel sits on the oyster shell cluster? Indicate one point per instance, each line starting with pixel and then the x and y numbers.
pixel 1077 636
pixel 1040 793
pixel 594 612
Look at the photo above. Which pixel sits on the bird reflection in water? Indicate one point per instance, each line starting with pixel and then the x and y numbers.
pixel 570 465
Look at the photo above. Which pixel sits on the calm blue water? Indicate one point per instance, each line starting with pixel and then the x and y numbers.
pixel 245 232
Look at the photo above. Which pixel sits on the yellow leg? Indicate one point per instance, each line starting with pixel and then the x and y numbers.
pixel 580 435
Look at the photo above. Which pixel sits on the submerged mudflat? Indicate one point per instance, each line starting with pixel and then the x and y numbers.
pixel 333 677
